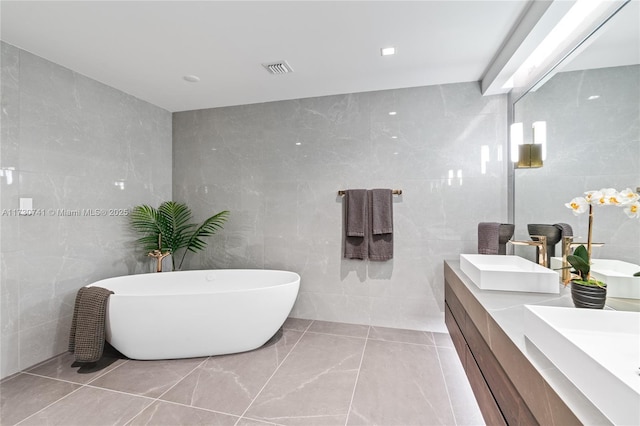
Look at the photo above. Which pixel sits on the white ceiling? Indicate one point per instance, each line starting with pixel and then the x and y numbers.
pixel 144 48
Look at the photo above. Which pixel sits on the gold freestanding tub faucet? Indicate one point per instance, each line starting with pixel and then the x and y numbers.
pixel 158 255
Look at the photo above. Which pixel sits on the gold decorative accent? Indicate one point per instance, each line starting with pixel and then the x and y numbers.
pixel 529 156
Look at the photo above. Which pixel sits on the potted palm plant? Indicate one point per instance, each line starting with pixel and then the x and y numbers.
pixel 167 229
pixel 586 291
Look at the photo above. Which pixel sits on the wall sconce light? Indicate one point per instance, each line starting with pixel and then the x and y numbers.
pixel 529 155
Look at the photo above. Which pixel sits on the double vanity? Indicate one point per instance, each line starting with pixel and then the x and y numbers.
pixel 530 356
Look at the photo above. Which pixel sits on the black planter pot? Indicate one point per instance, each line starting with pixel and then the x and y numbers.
pixel 586 296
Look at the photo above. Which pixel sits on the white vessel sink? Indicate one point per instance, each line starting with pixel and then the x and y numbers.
pixel 618 276
pixel 509 273
pixel 597 350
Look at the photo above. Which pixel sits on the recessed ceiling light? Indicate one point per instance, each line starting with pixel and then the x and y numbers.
pixel 590 98
pixel 298 143
pixel 394 137
pixel 191 78
pixel 386 51
pixel 392 113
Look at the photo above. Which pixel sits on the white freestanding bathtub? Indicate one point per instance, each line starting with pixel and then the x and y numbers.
pixel 197 313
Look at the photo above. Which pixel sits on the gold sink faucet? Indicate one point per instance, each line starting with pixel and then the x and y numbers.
pixel 540 243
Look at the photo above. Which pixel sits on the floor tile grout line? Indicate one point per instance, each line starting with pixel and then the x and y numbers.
pixel 184 377
pixel 53 403
pixel 164 401
pixel 53 378
pixel 446 387
pixel 150 399
pixel 118 391
pixel 338 335
pixel 156 399
pixel 109 371
pixel 31 373
pixel 355 384
pixel 406 343
pixel 273 374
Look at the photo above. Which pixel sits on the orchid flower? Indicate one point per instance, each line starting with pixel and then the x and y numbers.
pixel 593 197
pixel 633 209
pixel 628 196
pixel 579 205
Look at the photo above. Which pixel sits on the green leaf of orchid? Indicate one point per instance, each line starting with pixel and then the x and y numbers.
pixel 579 264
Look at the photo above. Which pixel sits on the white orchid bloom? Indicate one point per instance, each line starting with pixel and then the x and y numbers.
pixel 611 197
pixel 578 205
pixel 628 196
pixel 594 197
pixel 605 197
pixel 633 209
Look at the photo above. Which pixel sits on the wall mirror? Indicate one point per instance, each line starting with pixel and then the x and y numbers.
pixel 591 106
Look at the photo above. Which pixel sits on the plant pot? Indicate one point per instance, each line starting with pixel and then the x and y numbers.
pixel 588 296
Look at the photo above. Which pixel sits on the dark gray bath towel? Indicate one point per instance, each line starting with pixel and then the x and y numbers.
pixel 381 214
pixel 356 217
pixel 488 237
pixel 86 339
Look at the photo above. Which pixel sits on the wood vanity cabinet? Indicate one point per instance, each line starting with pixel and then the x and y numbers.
pixel 501 402
pixel 498 399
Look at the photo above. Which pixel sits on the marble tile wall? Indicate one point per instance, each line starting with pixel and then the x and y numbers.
pixel 593 132
pixel 71 144
pixel 278 166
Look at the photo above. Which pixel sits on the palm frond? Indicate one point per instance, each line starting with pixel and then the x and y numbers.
pixel 175 221
pixel 208 228
pixel 146 221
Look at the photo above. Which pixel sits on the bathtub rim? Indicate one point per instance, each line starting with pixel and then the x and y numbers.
pixel 295 281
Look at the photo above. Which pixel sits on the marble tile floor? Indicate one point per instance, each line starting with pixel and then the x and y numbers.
pixel 312 373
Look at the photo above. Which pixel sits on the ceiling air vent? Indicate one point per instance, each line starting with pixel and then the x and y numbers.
pixel 280 67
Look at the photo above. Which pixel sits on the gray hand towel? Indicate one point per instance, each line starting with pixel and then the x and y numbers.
pixel 356 224
pixel 356 212
pixel 381 224
pixel 382 211
pixel 565 229
pixel 488 237
pixel 86 339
